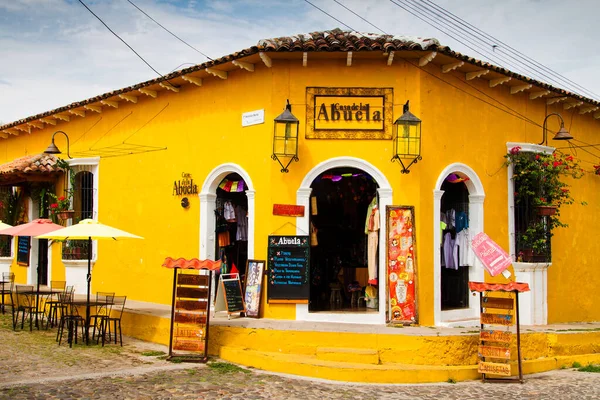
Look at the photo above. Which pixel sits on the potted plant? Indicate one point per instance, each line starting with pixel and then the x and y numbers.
pixel 61 208
pixel 541 189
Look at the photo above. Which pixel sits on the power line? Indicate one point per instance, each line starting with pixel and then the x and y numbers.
pixel 118 37
pixel 530 60
pixel 331 16
pixel 177 37
pixel 365 20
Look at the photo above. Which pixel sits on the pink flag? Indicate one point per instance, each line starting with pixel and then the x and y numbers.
pixel 493 257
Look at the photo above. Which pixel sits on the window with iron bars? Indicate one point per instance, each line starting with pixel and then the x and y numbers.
pixel 83 205
pixel 6 216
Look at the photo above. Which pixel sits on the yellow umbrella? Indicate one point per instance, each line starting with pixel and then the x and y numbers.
pixel 89 229
pixel 4 226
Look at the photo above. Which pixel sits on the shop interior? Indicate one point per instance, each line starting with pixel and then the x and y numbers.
pixel 231 225
pixel 340 201
pixel 456 256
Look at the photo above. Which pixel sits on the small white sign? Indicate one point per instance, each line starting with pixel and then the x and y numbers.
pixel 253 117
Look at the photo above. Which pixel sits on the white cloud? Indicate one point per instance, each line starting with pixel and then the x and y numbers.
pixel 55 52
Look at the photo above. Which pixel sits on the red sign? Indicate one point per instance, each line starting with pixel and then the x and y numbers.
pixel 493 257
pixel 288 210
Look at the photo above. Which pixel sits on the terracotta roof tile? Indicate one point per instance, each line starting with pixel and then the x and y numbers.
pixel 31 164
pixel 325 41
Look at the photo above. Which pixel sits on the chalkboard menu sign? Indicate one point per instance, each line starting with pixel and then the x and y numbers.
pixel 23 247
pixel 288 267
pixel 233 295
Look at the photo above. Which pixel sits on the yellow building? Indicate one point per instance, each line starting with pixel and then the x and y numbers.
pixel 208 134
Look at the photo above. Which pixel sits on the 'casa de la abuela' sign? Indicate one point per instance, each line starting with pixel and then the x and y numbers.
pixel 349 113
pixel 185 185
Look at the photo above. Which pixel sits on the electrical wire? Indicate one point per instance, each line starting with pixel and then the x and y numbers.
pixel 529 60
pixel 119 37
pixel 331 16
pixel 365 20
pixel 177 37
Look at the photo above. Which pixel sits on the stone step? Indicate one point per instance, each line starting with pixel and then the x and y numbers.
pixel 345 354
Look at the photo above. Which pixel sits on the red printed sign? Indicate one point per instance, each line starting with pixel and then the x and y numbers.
pixel 493 257
pixel 288 210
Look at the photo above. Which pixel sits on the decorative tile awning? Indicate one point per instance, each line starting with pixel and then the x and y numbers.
pixel 31 168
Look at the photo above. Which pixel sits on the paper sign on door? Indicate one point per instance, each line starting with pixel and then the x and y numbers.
pixel 493 257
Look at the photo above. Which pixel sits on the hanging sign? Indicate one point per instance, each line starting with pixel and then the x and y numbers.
pixel 492 256
pixel 185 185
pixel 23 248
pixel 401 264
pixel 493 368
pixel 349 113
pixel 288 269
pixel 253 117
pixel 496 319
pixel 494 352
pixel 288 210
pixel 495 336
pixel 254 278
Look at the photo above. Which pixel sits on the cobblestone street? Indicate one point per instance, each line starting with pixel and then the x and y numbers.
pixel 33 366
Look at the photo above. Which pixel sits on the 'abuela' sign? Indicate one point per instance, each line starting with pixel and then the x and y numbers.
pixel 349 113
pixel 185 185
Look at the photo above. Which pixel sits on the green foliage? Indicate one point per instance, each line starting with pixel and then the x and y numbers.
pixel 153 353
pixel 589 368
pixel 226 368
pixel 451 380
pixel 576 364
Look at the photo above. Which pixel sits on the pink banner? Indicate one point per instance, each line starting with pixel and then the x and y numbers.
pixel 494 258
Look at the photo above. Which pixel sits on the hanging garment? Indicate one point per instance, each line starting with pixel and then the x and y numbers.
pixel 313 235
pixel 466 255
pixel 373 239
pixel 450 218
pixel 223 238
pixel 462 221
pixel 241 216
pixel 369 211
pixel 449 250
pixel 229 212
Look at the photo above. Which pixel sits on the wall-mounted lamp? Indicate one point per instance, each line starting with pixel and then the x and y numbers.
pixel 52 149
pixel 562 133
pixel 407 139
pixel 285 137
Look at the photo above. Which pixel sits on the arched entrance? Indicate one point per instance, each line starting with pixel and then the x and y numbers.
pixel 458 191
pixel 208 198
pixel 384 193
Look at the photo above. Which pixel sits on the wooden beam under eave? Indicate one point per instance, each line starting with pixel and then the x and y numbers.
pixel 597 115
pixel 499 81
pixel 169 86
pixel 451 67
pixel 216 72
pixel 79 113
pixel 390 59
pixel 244 65
pixel 553 100
pixel 349 59
pixel 585 110
pixel 129 98
pixel 13 131
pixel 62 117
pixel 36 124
pixel 192 79
pixel 48 121
pixel 476 74
pixel 535 95
pixel 266 59
pixel 94 108
pixel 519 88
pixel 568 106
pixel 148 92
pixel 3 135
pixel 426 59
pixel 305 59
pixel 109 103
pixel 26 128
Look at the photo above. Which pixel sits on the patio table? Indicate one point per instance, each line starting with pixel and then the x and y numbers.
pixel 42 291
pixel 91 303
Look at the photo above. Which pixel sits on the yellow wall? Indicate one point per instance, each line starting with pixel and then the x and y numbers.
pixel 201 129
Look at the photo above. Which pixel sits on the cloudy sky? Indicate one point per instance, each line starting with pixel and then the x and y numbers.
pixel 55 52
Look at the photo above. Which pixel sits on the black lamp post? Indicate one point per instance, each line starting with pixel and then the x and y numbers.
pixel 285 137
pixel 562 133
pixel 52 149
pixel 407 139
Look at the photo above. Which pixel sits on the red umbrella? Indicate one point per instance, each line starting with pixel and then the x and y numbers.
pixel 34 228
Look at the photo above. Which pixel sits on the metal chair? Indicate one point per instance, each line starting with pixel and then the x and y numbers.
pixel 104 302
pixel 52 303
pixel 69 319
pixel 26 304
pixel 6 287
pixel 115 319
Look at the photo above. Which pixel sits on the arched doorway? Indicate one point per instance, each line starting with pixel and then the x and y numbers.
pixel 458 192
pixel 384 195
pixel 344 241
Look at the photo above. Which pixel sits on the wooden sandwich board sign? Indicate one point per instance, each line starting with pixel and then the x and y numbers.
pixel 229 295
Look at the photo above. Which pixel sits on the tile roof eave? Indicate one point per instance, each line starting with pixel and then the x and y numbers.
pixel 318 43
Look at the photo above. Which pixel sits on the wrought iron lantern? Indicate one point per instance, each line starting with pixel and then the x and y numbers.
pixel 285 138
pixel 562 134
pixel 407 140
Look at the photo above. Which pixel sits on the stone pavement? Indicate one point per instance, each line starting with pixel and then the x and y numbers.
pixel 33 366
